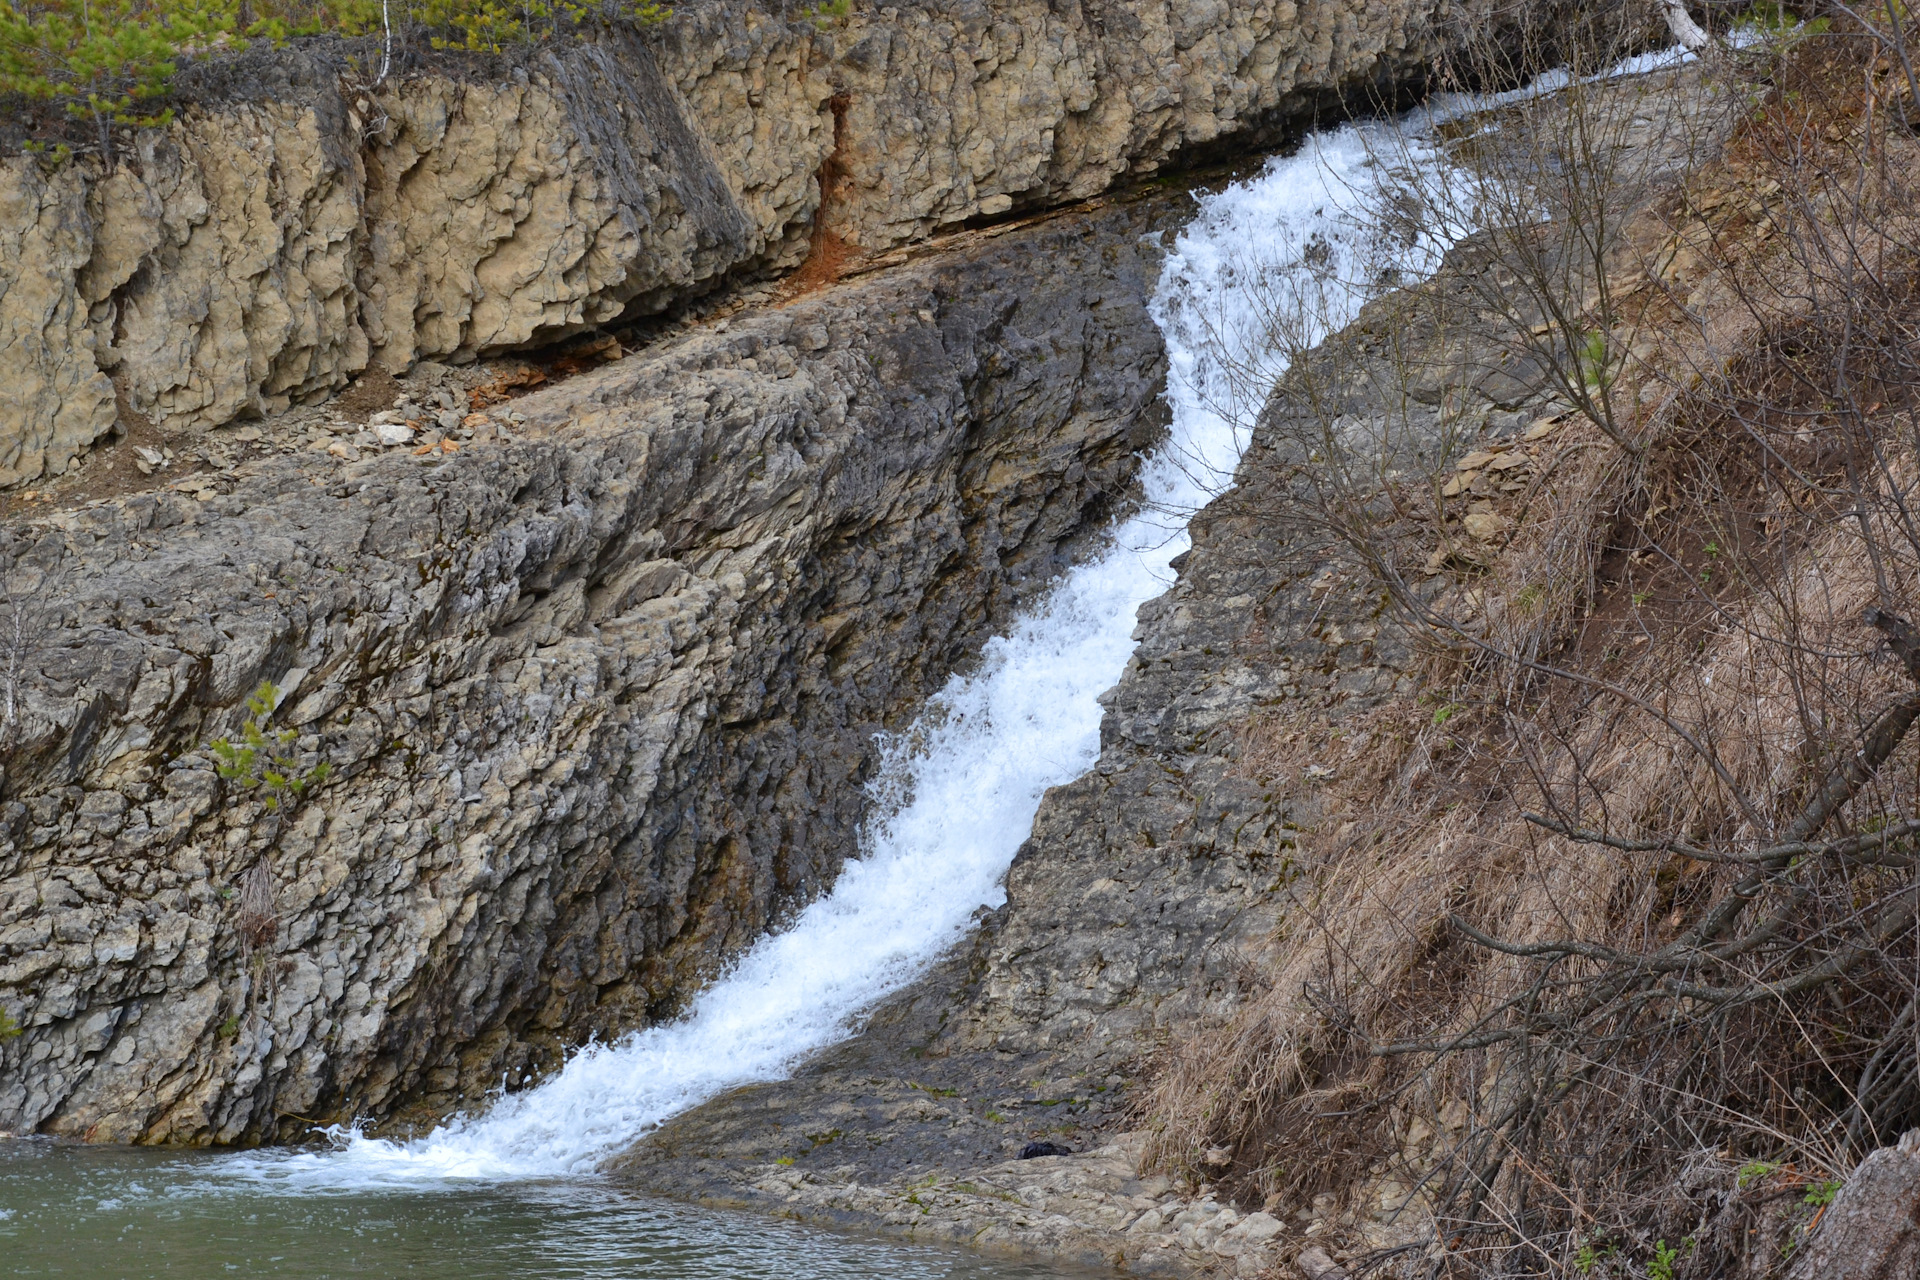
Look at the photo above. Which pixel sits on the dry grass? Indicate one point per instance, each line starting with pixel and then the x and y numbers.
pixel 1670 648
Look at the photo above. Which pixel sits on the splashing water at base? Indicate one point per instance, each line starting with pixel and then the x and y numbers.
pixel 958 792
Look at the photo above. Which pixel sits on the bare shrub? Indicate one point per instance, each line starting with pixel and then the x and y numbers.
pixel 1623 952
pixel 257 917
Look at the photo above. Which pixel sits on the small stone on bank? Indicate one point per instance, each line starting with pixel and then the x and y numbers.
pixel 1315 1264
pixel 1484 525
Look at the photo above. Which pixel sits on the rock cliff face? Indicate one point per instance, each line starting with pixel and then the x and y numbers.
pixel 599 700
pixel 297 224
pixel 264 249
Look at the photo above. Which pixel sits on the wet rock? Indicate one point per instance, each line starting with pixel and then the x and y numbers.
pixel 598 700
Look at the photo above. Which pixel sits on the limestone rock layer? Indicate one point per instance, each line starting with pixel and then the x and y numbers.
pixel 293 225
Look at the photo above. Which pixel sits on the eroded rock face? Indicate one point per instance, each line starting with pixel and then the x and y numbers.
pixel 59 402
pixel 259 253
pixel 292 227
pixel 275 239
pixel 599 700
pixel 959 110
pixel 222 279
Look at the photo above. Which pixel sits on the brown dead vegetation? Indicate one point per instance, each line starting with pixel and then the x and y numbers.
pixel 1615 948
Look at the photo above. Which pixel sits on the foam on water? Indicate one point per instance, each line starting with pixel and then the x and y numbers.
pixel 958 792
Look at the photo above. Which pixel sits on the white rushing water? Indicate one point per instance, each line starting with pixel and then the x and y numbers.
pixel 958 792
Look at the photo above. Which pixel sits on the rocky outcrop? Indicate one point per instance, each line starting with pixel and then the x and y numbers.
pixel 960 109
pixel 296 224
pixel 598 700
pixel 1871 1231
pixel 264 248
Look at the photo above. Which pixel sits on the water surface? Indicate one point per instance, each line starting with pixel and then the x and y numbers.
pixel 107 1213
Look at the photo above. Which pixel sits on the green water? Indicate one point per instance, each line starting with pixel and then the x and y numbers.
pixel 94 1213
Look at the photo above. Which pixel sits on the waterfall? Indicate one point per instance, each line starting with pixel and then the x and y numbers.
pixel 958 791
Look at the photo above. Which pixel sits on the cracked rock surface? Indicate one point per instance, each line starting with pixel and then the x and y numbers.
pixel 598 698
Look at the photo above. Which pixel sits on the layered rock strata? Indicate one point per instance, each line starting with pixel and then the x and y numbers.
pixel 598 701
pixel 297 223
pixel 290 229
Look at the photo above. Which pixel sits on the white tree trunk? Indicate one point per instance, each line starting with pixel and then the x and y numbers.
pixel 1689 33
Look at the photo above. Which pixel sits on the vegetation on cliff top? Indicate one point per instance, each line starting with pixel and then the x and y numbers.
pixel 113 62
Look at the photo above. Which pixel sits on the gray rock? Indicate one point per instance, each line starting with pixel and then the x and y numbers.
pixel 1872 1229
pixel 598 701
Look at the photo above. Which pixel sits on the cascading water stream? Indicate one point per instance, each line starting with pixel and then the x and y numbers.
pixel 958 792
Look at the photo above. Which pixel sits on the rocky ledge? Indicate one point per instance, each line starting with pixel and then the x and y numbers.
pixel 300 222
pixel 598 696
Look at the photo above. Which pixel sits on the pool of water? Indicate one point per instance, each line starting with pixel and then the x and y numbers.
pixel 105 1213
